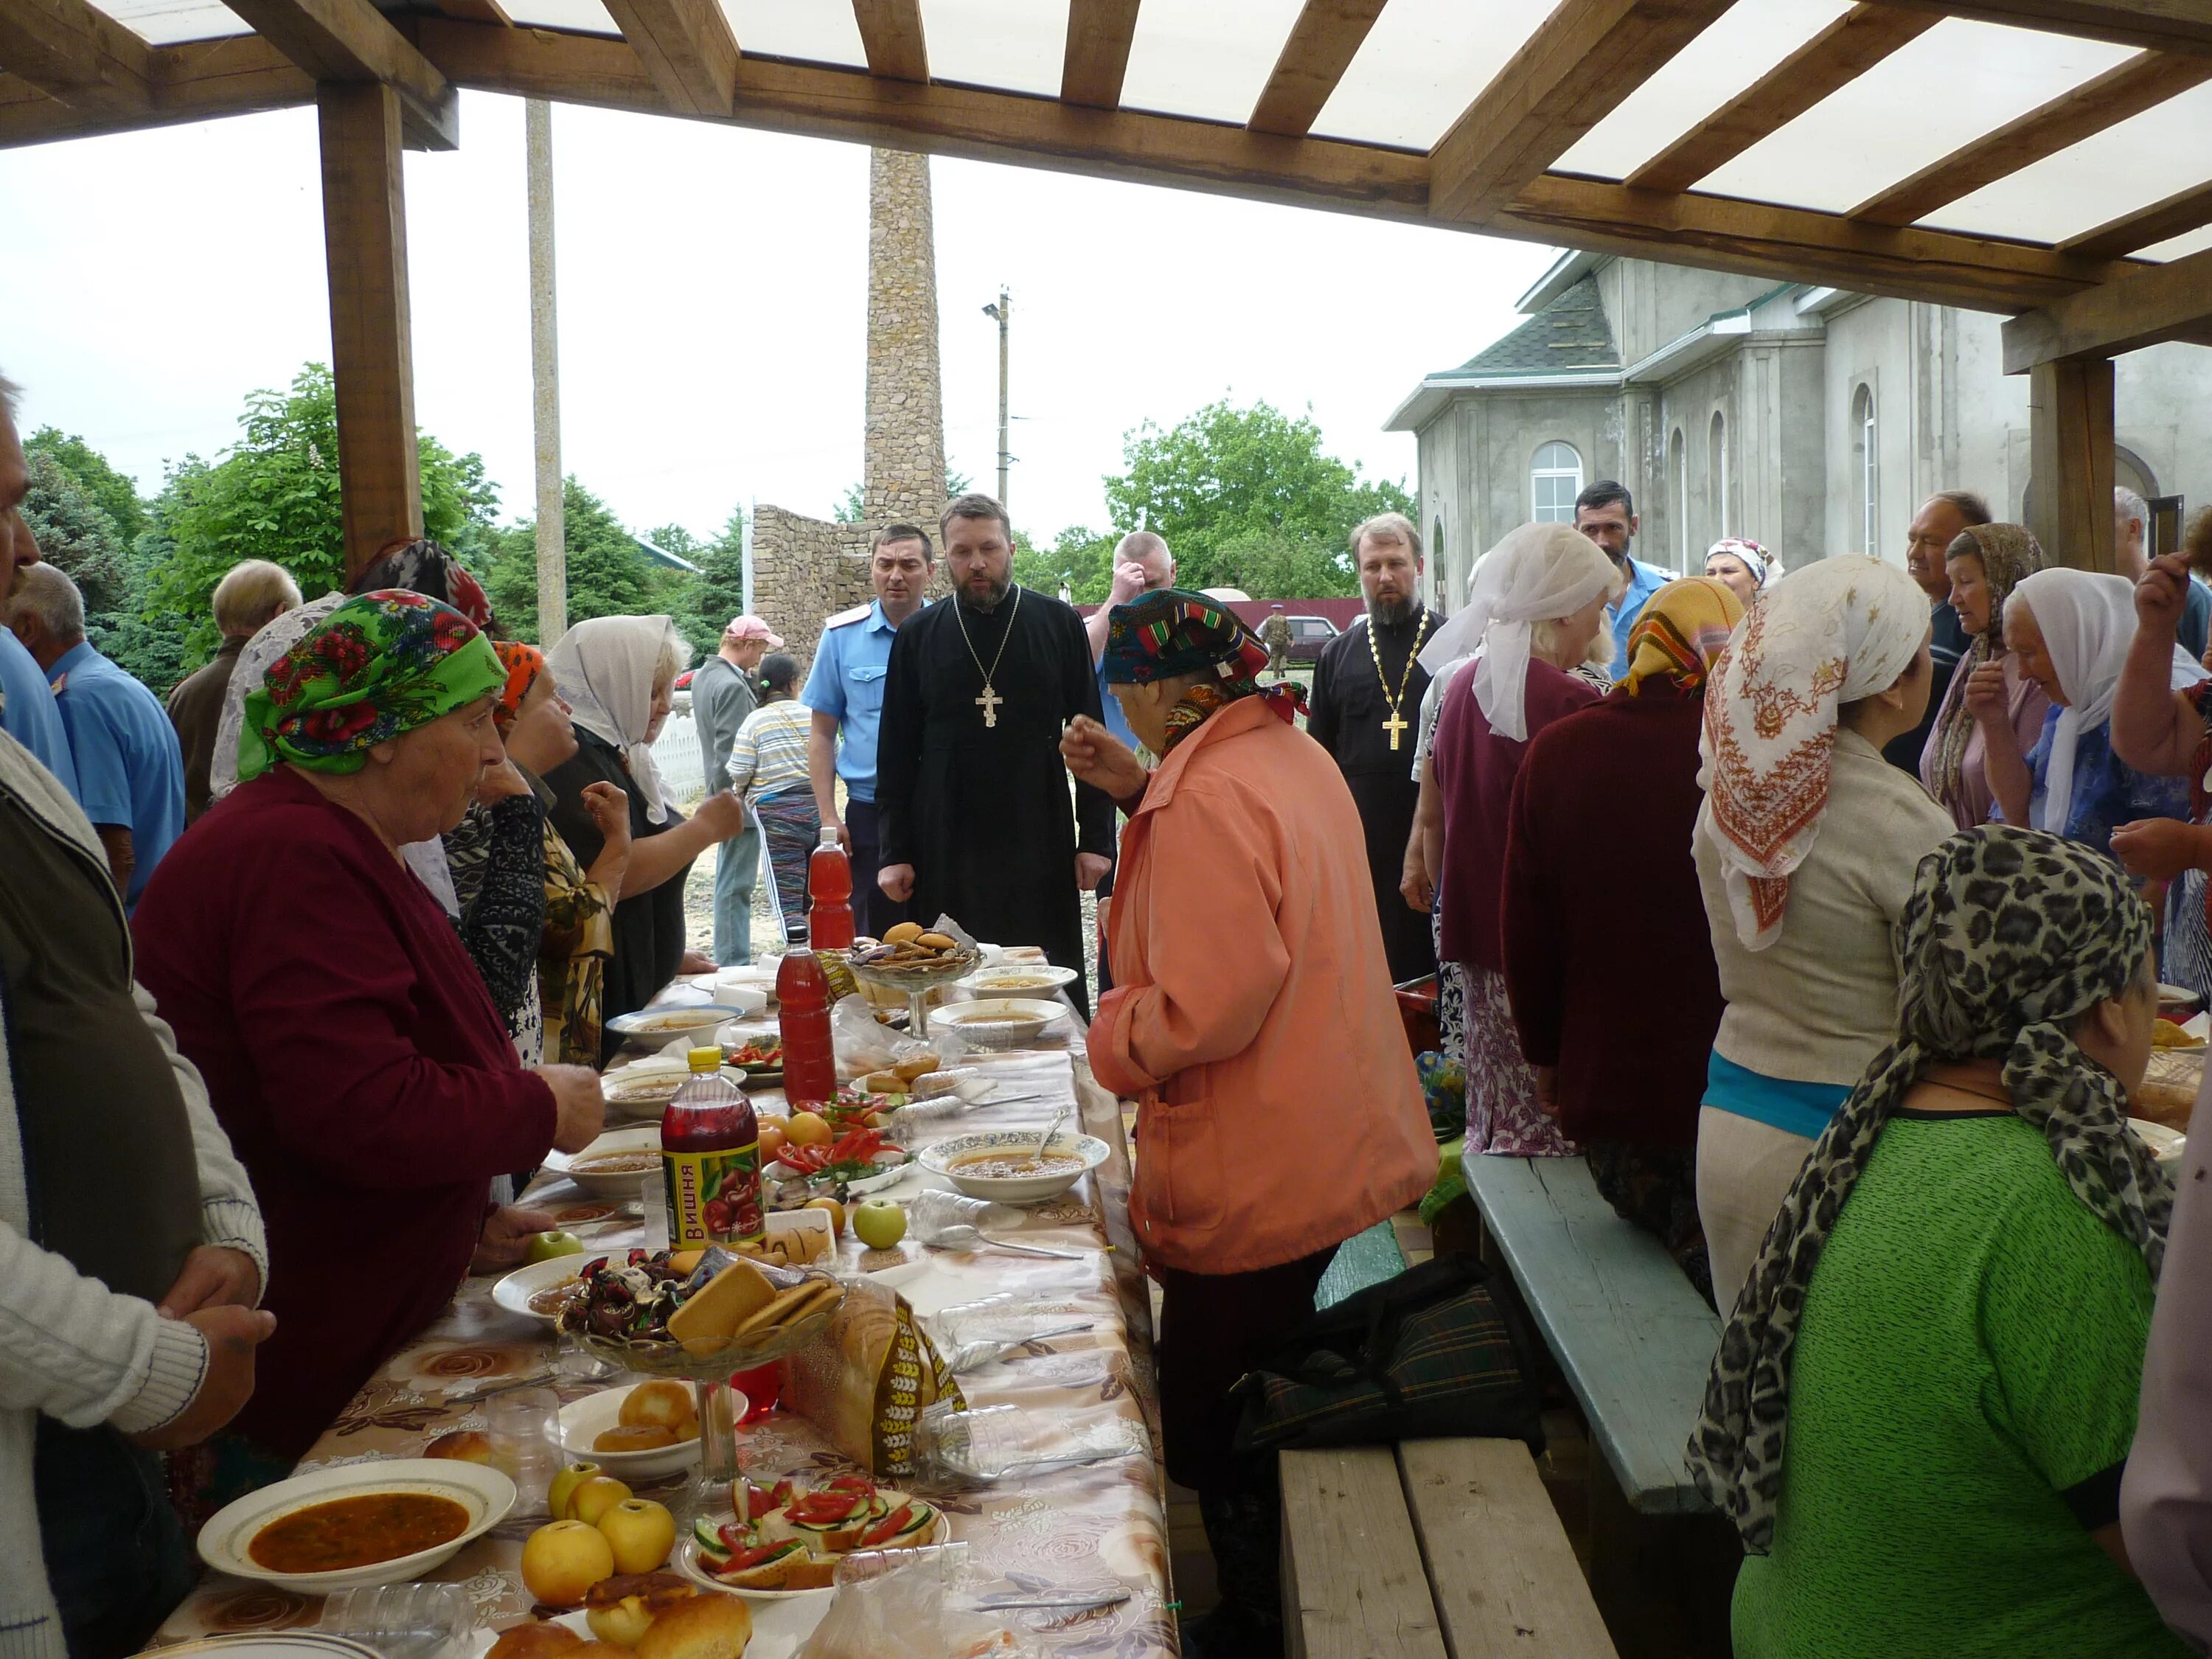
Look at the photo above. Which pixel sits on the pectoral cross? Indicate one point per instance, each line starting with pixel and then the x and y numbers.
pixel 1394 725
pixel 989 701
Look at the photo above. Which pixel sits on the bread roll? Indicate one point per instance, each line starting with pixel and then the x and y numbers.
pixel 659 1404
pixel 462 1446
pixel 535 1641
pixel 709 1627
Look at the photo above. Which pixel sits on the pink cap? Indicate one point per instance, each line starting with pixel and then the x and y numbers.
pixel 752 627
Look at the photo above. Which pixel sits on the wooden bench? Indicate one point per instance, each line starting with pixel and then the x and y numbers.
pixel 1433 1549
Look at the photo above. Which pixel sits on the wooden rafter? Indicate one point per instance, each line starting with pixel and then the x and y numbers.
pixel 1097 55
pixel 349 40
pixel 686 47
pixel 2154 25
pixel 83 57
pixel 2148 306
pixel 1322 45
pixel 1830 60
pixel 891 33
pixel 195 81
pixel 2184 210
pixel 1582 62
pixel 2142 82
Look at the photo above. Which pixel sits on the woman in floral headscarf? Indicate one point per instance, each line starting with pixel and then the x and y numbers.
pixel 1806 845
pixel 1925 1398
pixel 1985 563
pixel 350 1046
pixel 1744 565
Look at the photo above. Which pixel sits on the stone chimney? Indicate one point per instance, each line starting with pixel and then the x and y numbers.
pixel 903 459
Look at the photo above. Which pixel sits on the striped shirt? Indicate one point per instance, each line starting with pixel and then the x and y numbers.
pixel 769 753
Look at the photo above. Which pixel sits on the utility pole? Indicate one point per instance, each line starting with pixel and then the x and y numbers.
pixel 1003 313
pixel 546 377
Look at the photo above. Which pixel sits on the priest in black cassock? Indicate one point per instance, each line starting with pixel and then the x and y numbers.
pixel 1365 706
pixel 973 805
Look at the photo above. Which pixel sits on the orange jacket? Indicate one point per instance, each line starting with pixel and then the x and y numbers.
pixel 1251 1015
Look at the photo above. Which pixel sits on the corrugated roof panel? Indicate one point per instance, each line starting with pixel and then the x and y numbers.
pixel 1421 65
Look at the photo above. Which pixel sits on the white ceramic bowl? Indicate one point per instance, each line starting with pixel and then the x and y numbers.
pixel 483 1491
pixel 2165 1144
pixel 1038 980
pixel 999 1022
pixel 943 1159
pixel 586 1420
pixel 513 1292
pixel 611 1184
pixel 660 1026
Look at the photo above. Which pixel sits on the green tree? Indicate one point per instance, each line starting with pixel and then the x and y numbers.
pixel 1080 556
pixel 77 535
pixel 96 476
pixel 609 575
pixel 718 592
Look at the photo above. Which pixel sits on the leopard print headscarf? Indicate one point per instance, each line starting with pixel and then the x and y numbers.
pixel 2008 937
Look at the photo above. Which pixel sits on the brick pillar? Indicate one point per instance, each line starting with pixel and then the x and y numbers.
pixel 902 465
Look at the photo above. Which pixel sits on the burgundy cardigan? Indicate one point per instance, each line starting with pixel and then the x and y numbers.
pixel 353 1055
pixel 1608 960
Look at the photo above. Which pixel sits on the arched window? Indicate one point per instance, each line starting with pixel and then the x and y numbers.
pixel 1866 470
pixel 1717 474
pixel 1554 481
pixel 1678 489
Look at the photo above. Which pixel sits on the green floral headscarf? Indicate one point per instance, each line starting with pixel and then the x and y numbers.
pixel 379 665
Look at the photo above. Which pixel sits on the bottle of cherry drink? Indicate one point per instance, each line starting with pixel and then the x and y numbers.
pixel 830 885
pixel 710 1159
pixel 810 1065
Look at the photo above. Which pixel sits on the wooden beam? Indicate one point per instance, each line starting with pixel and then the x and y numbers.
pixel 2154 25
pixel 72 52
pixel 2150 305
pixel 2183 210
pixel 197 81
pixel 1098 53
pixel 371 352
pixel 2069 509
pixel 1322 45
pixel 687 48
pixel 2144 82
pixel 891 33
pixel 1580 65
pixel 350 40
pixel 1830 60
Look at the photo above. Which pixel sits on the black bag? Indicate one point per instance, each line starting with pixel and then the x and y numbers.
pixel 1431 1353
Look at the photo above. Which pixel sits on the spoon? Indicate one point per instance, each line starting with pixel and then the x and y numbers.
pixel 1045 1139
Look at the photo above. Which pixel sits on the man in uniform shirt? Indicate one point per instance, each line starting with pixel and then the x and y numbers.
pixel 721 696
pixel 845 690
pixel 1366 704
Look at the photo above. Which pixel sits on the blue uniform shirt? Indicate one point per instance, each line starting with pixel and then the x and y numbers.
pixel 1643 581
pixel 1116 722
pixel 129 769
pixel 28 713
pixel 846 684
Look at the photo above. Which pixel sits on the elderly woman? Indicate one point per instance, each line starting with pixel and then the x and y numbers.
pixel 1242 928
pixel 1926 1395
pixel 1624 1074
pixel 1537 610
pixel 1806 847
pixel 1985 563
pixel 1745 566
pixel 616 674
pixel 768 770
pixel 348 1043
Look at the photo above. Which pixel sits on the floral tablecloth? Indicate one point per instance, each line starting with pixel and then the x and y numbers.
pixel 1069 1527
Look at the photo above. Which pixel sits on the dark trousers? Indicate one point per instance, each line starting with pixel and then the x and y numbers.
pixel 873 910
pixel 1213 1328
pixel 115 1552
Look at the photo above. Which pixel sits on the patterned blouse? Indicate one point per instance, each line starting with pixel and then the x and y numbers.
pixel 573 955
pixel 495 857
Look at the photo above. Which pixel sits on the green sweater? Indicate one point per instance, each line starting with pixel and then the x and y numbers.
pixel 1961 1402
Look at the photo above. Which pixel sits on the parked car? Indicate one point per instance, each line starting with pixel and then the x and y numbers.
pixel 1308 635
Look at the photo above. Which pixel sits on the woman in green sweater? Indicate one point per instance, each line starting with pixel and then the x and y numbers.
pixel 1923 1402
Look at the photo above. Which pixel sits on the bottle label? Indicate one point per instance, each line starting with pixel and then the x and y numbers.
pixel 713 1198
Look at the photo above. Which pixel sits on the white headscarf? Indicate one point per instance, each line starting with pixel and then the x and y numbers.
pixel 1539 573
pixel 2088 621
pixel 604 668
pixel 1836 631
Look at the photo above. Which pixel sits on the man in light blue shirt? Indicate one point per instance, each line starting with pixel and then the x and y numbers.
pixel 1606 513
pixel 129 769
pixel 26 708
pixel 845 690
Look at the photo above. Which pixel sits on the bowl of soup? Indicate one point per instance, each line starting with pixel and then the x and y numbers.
pixel 380 1522
pixel 1039 980
pixel 692 1025
pixel 999 1022
pixel 613 1165
pixel 1004 1163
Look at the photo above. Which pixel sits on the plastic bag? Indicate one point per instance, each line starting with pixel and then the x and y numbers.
pixel 864 1043
pixel 900 1604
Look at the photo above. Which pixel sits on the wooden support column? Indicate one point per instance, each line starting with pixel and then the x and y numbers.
pixel 545 377
pixel 2071 442
pixel 365 237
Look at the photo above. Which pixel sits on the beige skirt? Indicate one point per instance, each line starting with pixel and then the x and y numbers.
pixel 1744 1171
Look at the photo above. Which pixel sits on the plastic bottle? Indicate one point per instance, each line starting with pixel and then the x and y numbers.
pixel 830 885
pixel 710 1159
pixel 810 1063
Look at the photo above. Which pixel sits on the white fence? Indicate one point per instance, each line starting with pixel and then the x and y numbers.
pixel 676 753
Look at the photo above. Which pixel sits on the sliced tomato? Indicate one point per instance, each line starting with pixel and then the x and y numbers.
pixel 741 1560
pixel 824 1509
pixel 889 1528
pixel 760 1501
pixel 853 1483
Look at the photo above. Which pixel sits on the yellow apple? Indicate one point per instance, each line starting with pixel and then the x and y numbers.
pixel 563 1489
pixel 563 1559
pixel 640 1533
pixel 594 1498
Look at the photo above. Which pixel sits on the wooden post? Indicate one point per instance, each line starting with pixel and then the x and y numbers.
pixel 545 377
pixel 2070 446
pixel 365 236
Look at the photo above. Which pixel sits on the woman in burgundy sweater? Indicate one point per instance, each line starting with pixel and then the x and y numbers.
pixel 1608 961
pixel 349 1045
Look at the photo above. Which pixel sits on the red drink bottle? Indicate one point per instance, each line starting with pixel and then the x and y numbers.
pixel 810 1064
pixel 830 885
pixel 710 1159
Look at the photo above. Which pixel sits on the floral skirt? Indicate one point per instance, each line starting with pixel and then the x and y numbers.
pixel 791 824
pixel 1502 1113
pixel 1451 996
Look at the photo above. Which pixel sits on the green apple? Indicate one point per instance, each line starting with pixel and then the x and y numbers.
pixel 545 1247
pixel 564 1487
pixel 878 1224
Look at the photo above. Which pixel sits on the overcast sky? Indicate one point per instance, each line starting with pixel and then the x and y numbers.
pixel 712 289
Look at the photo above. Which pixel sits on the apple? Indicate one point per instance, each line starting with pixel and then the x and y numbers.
pixel 641 1532
pixel 563 1489
pixel 546 1247
pixel 563 1559
pixel 594 1498
pixel 833 1210
pixel 772 1137
pixel 809 1129
pixel 878 1224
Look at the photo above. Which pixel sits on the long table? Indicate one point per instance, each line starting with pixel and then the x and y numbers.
pixel 1073 1526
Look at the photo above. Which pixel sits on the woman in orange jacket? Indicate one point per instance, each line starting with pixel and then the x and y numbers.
pixel 1252 1019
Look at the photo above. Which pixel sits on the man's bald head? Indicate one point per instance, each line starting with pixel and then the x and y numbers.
pixel 1149 553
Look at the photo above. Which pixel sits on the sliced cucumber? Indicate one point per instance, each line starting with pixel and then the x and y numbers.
pixel 922 1516
pixel 708 1537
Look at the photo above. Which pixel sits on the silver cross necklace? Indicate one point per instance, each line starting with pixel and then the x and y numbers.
pixel 989 701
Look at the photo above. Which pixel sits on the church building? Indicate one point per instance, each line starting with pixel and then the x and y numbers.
pixel 1810 420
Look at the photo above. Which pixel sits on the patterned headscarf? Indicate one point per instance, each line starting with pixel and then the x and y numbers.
pixel 1832 633
pixel 2009 936
pixel 2009 553
pixel 1749 553
pixel 421 566
pixel 1170 632
pixel 377 667
pixel 524 664
pixel 1681 630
